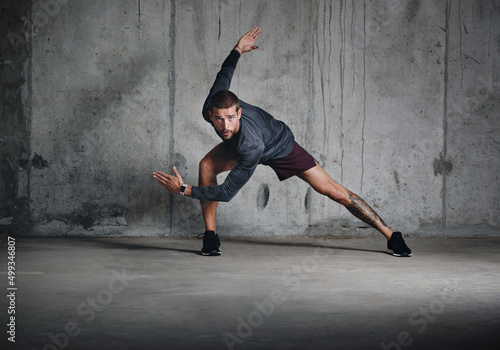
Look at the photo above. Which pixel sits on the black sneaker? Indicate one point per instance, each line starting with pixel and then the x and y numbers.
pixel 211 244
pixel 397 246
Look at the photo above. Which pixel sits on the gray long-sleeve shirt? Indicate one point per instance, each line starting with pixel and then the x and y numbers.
pixel 261 137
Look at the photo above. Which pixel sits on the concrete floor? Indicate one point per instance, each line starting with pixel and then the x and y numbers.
pixel 279 293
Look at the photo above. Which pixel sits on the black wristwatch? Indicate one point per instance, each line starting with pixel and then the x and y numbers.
pixel 183 189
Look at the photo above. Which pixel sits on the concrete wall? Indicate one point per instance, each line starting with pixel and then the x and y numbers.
pixel 398 100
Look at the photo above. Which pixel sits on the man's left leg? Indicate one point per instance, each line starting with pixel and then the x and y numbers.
pixel 322 183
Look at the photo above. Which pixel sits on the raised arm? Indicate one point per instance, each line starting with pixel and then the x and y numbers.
pixel 224 76
pixel 235 179
pixel 246 42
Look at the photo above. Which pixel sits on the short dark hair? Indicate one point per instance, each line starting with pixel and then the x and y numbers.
pixel 224 99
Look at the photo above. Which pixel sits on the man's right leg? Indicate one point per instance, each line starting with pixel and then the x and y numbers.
pixel 218 160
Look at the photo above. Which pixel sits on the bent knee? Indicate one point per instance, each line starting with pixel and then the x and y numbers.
pixel 206 166
pixel 210 165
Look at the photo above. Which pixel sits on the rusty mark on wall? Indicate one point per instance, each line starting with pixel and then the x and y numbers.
pixel 442 166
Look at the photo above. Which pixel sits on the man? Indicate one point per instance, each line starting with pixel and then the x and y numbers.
pixel 251 136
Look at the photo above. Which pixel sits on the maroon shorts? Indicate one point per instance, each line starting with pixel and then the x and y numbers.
pixel 293 164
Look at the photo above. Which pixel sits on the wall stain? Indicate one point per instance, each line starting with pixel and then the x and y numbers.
pixel 8 185
pixel 38 162
pixel 413 9
pixel 396 178
pixel 263 197
pixel 139 15
pixel 15 97
pixel 307 200
pixel 179 161
pixel 86 221
pixel 442 166
pixel 93 213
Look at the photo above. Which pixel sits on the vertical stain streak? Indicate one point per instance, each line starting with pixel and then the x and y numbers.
pixel 287 50
pixel 307 200
pixel 29 116
pixel 139 14
pixel 171 97
pixel 445 109
pixel 239 33
pixel 459 19
pixel 353 38
pixel 220 24
pixel 311 65
pixel 491 28
pixel 263 197
pixel 364 100
pixel 326 130
pixel 321 64
pixel 341 77
pixel 310 111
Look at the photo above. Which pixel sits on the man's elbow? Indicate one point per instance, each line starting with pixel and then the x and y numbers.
pixel 221 197
pixel 227 198
pixel 228 195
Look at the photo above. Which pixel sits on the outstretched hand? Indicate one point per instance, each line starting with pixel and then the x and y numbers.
pixel 172 183
pixel 246 42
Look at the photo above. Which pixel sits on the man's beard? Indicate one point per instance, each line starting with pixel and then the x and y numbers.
pixel 226 137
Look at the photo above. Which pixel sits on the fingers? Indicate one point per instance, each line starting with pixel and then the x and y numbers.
pixel 165 181
pixel 162 178
pixel 177 175
pixel 160 175
pixel 253 33
pixel 169 182
pixel 246 42
pixel 259 30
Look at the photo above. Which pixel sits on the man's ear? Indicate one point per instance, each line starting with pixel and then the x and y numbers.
pixel 239 113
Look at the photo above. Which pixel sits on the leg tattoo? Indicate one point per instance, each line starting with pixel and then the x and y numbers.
pixel 360 209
